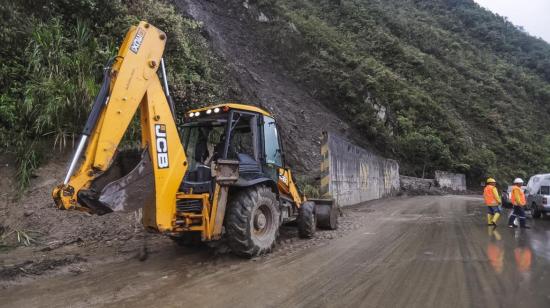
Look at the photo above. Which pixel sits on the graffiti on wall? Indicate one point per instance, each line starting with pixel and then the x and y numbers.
pixel 351 174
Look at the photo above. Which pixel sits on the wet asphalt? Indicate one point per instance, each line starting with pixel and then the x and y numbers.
pixel 430 251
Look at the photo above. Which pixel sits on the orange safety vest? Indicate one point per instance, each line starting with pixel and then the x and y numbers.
pixel 517 190
pixel 489 196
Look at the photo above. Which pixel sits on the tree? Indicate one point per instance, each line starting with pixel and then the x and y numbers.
pixel 426 152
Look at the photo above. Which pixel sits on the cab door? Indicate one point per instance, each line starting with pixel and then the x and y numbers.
pixel 272 153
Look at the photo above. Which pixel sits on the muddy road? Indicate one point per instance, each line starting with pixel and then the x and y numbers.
pixel 404 252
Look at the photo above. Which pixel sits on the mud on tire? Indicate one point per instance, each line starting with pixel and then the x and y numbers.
pixel 307 221
pixel 252 222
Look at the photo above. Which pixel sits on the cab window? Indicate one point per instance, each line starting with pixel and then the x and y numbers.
pixel 243 140
pixel 272 148
pixel 545 190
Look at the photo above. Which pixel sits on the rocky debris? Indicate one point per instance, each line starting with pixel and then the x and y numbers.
pixel 37 238
pixel 60 243
pixel 38 267
pixel 412 186
pixel 263 82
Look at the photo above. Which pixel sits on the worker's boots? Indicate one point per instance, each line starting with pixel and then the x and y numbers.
pixel 495 219
pixel 489 219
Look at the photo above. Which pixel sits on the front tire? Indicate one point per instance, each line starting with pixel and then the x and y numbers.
pixel 252 223
pixel 307 221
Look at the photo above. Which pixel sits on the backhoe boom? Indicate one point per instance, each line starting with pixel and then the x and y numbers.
pixel 230 182
pixel 131 82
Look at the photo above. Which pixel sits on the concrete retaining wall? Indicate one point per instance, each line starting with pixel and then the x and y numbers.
pixel 452 181
pixel 352 174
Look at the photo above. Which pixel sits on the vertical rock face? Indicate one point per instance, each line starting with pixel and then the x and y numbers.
pixel 352 174
pixel 262 82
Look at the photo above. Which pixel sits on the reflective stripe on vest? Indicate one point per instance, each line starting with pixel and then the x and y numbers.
pixel 489 196
pixel 517 190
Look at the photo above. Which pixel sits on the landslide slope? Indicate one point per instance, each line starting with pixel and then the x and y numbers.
pixel 439 84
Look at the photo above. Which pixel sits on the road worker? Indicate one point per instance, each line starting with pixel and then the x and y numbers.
pixel 492 200
pixel 518 201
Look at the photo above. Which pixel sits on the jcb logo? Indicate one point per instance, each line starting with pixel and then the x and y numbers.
pixel 138 39
pixel 162 146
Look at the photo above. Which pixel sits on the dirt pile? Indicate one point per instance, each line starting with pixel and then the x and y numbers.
pixel 265 83
pixel 36 237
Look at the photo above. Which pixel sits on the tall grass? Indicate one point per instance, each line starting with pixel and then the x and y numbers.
pixel 61 80
pixel 53 53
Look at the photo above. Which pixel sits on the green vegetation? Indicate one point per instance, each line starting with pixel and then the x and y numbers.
pixel 53 52
pixel 438 84
pixel 462 88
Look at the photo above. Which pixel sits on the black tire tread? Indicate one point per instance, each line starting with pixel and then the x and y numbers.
pixel 306 220
pixel 237 221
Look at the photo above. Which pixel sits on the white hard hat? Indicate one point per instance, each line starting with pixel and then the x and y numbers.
pixel 518 181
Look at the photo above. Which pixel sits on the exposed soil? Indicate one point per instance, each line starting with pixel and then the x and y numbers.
pixel 73 243
pixel 38 238
pixel 264 82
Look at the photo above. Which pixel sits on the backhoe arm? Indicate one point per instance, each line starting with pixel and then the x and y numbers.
pixel 131 82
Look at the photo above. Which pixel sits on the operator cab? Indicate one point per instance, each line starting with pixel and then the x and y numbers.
pixel 236 132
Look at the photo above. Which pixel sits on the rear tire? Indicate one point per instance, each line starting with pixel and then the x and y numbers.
pixel 252 222
pixel 536 213
pixel 307 222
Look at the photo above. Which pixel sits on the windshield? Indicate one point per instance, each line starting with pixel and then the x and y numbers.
pixel 202 142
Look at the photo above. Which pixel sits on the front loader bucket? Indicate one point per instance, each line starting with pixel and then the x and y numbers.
pixel 127 185
pixel 327 212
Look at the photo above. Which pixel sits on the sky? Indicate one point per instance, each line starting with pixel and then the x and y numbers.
pixel 532 15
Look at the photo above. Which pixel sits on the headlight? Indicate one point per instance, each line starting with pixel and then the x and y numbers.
pixel 197 114
pixel 191 114
pixel 209 111
pixel 216 110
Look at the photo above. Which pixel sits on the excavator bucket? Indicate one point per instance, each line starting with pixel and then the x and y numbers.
pixel 326 211
pixel 132 191
pixel 127 185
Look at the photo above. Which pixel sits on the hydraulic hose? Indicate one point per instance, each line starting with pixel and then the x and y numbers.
pixel 99 104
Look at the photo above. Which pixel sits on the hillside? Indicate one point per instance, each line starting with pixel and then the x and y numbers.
pixel 53 54
pixel 435 84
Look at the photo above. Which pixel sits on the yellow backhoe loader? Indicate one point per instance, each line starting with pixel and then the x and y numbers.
pixel 220 176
